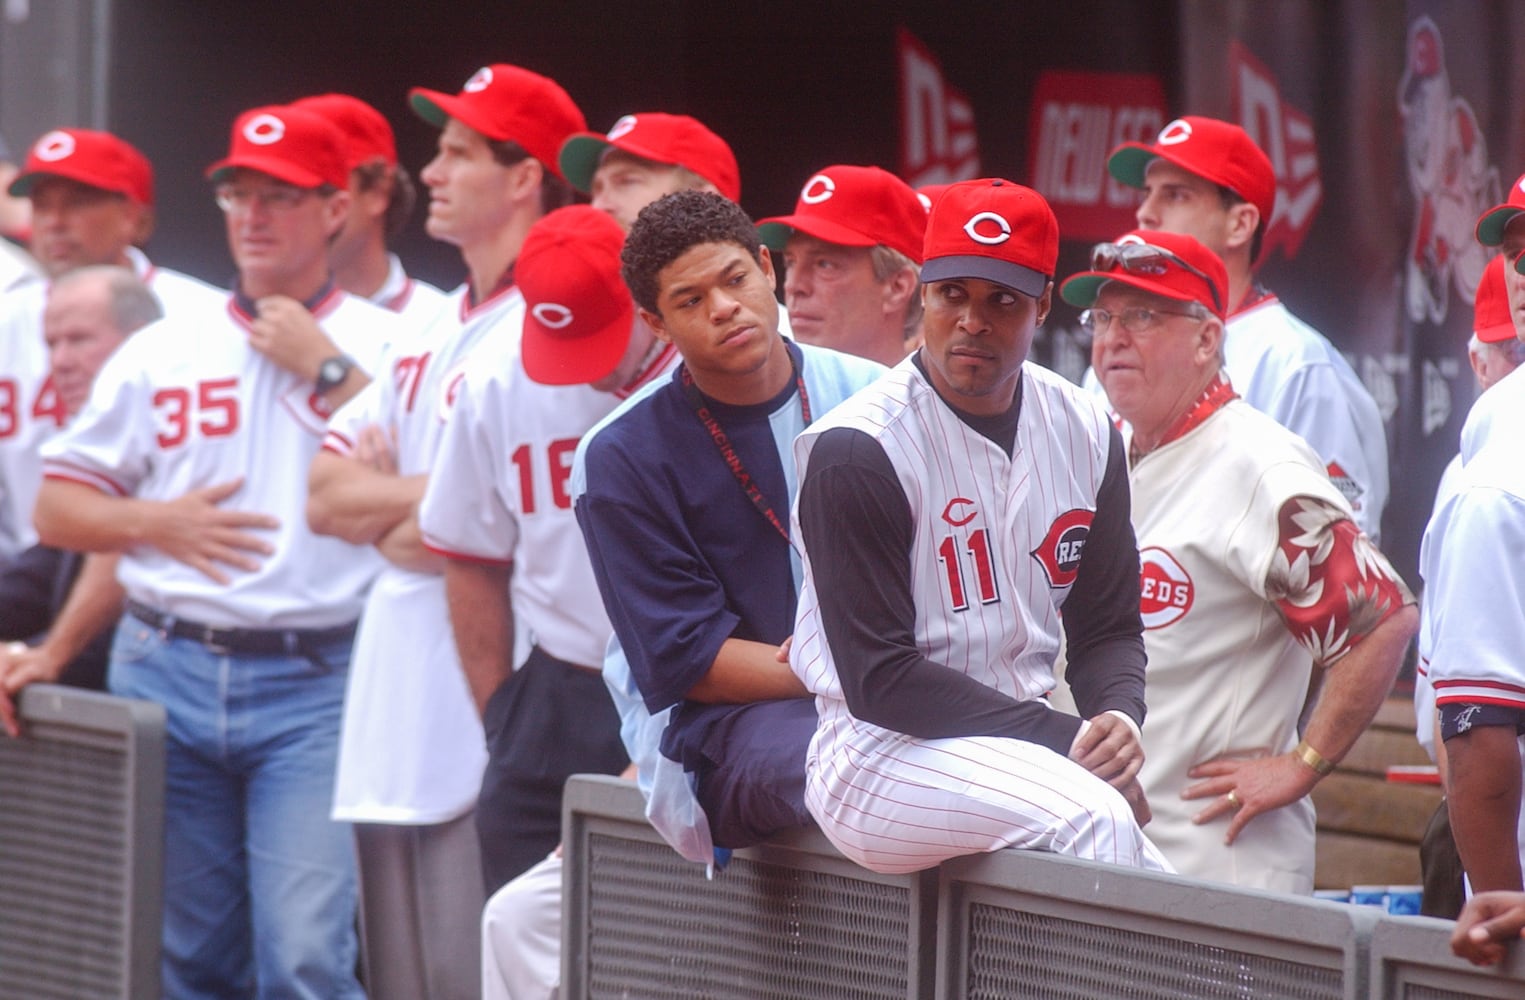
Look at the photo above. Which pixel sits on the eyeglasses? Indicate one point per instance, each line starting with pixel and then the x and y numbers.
pixel 1134 319
pixel 280 198
pixel 1146 258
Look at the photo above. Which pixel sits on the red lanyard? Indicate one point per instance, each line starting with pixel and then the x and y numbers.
pixel 1213 398
pixel 728 453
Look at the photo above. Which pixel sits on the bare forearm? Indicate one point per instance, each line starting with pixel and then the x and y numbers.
pixel 352 501
pixel 746 671
pixel 403 546
pixel 1355 687
pixel 94 603
pixel 481 616
pixel 74 516
pixel 1484 801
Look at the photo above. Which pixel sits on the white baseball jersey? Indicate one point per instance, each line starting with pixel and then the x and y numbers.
pixel 415 301
pixel 17 267
pixel 501 493
pixel 1424 691
pixel 31 410
pixel 988 594
pixel 1475 578
pixel 1226 676
pixel 1286 369
pixel 185 404
pixel 411 748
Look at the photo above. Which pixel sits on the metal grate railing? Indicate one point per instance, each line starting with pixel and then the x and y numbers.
pixel 81 848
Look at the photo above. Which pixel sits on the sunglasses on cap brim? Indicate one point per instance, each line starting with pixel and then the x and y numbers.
pixel 1147 259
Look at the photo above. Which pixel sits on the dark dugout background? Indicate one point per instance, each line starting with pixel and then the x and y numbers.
pixel 1394 121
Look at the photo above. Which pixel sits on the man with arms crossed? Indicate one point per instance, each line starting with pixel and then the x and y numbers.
pixel 240 620
pixel 1253 572
pixel 948 513
pixel 411 754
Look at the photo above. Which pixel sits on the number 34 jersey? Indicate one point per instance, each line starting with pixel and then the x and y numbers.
pixel 186 404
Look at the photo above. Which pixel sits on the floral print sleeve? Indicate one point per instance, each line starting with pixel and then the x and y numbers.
pixel 1330 583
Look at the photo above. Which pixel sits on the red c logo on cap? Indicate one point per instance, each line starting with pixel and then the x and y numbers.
pixel 817 189
pixel 54 146
pixel 1176 132
pixel 552 314
pixel 264 130
pixel 622 127
pixel 972 229
pixel 480 80
pixel 926 203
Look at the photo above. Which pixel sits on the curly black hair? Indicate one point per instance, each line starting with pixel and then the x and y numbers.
pixel 671 226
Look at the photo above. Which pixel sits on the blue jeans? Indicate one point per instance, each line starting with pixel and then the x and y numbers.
pixel 259 883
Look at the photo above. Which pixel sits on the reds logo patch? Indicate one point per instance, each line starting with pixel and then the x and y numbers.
pixel 264 130
pixel 1059 552
pixel 1346 484
pixel 552 314
pixel 1165 588
pixel 54 146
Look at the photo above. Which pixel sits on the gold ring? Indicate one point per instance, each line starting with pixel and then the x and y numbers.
pixel 1233 798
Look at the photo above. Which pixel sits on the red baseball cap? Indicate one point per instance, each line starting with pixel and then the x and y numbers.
pixel 1491 319
pixel 1214 150
pixel 1492 223
pixel 928 193
pixel 508 104
pixel 677 140
pixel 367 133
pixel 854 207
pixel 98 159
pixel 291 145
pixel 1186 271
pixel 995 230
pixel 578 312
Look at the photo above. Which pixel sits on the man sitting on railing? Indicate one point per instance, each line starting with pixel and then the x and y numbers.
pixel 948 513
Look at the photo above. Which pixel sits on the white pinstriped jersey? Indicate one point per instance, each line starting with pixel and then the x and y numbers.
pixel 411 748
pixel 415 301
pixel 501 493
pixel 31 411
pixel 996 548
pixel 185 404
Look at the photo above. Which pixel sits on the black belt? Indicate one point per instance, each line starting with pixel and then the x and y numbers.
pixel 306 642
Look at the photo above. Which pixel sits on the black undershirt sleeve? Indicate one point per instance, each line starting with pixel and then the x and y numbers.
pixel 1104 637
pixel 856 525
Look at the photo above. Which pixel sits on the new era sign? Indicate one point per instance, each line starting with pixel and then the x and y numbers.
pixel 938 141
pixel 1286 135
pixel 1076 120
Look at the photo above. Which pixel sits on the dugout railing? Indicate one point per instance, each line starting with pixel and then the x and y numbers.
pixel 81 848
pixel 794 919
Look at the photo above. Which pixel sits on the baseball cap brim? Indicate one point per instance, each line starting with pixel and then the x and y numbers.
pixel 1499 334
pixel 559 360
pixel 1130 162
pixel 579 158
pixel 21 186
pixel 775 232
pixel 281 170
pixel 437 108
pixel 1081 289
pixel 1023 279
pixel 1490 228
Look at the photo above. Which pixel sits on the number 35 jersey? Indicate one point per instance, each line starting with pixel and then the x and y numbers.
pixel 186 404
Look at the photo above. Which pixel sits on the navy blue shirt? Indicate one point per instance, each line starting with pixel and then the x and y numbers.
pixel 683 558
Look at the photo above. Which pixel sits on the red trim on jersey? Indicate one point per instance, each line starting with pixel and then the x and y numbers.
pixel 464 557
pixel 503 287
pixel 660 362
pixel 1462 699
pixel 327 303
pixel 399 301
pixel 1214 398
pixel 339 438
pixel 1257 297
pixel 333 450
pixel 1331 585
pixel 86 478
pixel 1492 685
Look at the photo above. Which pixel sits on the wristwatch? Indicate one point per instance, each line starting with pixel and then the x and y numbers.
pixel 333 371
